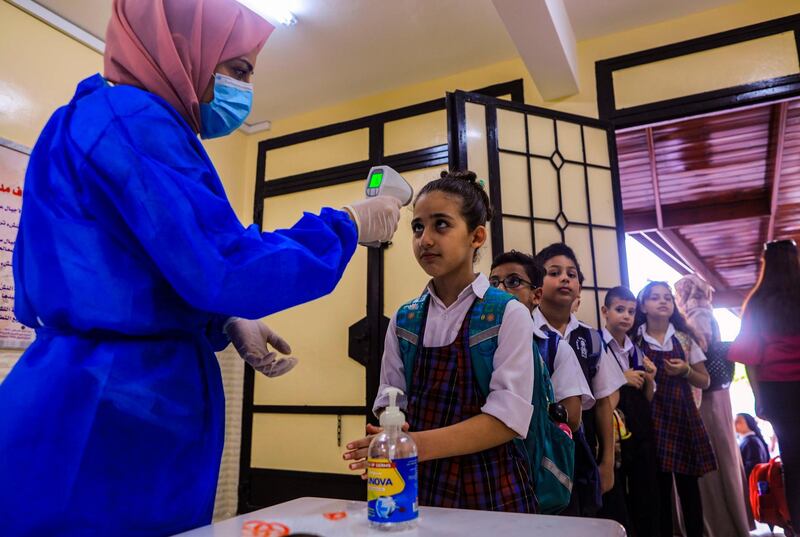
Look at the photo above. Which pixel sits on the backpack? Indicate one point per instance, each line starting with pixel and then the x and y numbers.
pixel 767 494
pixel 588 347
pixel 548 449
pixel 720 369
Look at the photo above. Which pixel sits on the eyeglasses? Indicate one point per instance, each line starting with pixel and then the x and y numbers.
pixel 509 282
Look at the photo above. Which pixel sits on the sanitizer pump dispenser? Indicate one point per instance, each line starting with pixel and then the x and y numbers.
pixel 392 472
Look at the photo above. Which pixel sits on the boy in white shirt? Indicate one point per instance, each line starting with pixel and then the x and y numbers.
pixel 636 474
pixel 619 310
pixel 561 286
pixel 519 275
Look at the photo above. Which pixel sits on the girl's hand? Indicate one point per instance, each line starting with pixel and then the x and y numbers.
pixel 675 367
pixel 358 450
pixel 650 369
pixel 635 378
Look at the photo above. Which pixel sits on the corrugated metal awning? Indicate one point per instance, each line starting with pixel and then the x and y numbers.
pixel 706 192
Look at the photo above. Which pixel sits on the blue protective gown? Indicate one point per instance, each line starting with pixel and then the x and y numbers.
pixel 128 260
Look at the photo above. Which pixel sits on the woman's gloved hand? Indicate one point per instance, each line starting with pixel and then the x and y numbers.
pixel 376 218
pixel 251 338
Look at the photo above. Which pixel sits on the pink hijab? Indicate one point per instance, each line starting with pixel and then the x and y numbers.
pixel 172 47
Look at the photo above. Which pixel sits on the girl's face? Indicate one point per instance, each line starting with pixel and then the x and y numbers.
pixel 442 242
pixel 660 304
pixel 561 286
pixel 741 425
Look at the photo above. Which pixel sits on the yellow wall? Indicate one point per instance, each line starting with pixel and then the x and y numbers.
pixel 229 155
pixel 750 61
pixel 655 35
pixel 39 69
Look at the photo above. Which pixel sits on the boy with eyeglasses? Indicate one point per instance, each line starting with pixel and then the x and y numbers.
pixel 521 276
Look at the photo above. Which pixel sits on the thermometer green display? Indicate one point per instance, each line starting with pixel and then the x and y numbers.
pixel 375 179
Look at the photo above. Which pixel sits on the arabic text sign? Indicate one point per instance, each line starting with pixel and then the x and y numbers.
pixel 13 161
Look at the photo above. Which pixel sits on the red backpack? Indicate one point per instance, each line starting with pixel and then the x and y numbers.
pixel 767 495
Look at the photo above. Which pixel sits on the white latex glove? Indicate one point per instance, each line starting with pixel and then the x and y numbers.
pixel 376 218
pixel 251 338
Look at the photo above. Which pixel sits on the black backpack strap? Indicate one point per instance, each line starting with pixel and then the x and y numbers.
pixel 633 360
pixel 554 339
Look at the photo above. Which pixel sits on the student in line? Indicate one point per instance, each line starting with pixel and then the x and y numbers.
pixel 632 502
pixel 683 450
pixel 521 276
pixel 467 457
pixel 594 466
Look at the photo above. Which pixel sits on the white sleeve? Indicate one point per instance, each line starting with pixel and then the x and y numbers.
pixel 392 370
pixel 696 355
pixel 567 377
pixel 511 385
pixel 608 378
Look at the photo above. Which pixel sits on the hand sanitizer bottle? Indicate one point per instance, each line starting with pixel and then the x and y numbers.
pixel 392 473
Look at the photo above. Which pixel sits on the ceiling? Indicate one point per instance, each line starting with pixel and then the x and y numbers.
pixel 347 49
pixel 705 193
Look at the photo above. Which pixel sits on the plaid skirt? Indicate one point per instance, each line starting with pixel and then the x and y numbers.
pixel 682 444
pixel 444 392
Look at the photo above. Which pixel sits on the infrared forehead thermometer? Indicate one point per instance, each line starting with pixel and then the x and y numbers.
pixel 384 181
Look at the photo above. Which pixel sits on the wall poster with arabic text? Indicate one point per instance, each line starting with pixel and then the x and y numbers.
pixel 13 161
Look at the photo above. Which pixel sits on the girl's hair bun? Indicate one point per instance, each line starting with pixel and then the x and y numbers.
pixel 476 207
pixel 464 175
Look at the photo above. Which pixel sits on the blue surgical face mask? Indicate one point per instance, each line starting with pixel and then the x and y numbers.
pixel 229 108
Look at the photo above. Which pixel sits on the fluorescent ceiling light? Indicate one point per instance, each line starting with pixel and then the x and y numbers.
pixel 275 11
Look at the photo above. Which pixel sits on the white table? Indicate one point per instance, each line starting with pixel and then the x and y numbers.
pixel 305 515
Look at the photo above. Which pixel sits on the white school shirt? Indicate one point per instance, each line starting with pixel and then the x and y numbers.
pixel 567 377
pixel 511 385
pixel 608 378
pixel 621 354
pixel 696 354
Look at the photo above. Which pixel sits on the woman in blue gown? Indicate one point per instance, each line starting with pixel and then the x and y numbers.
pixel 129 263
